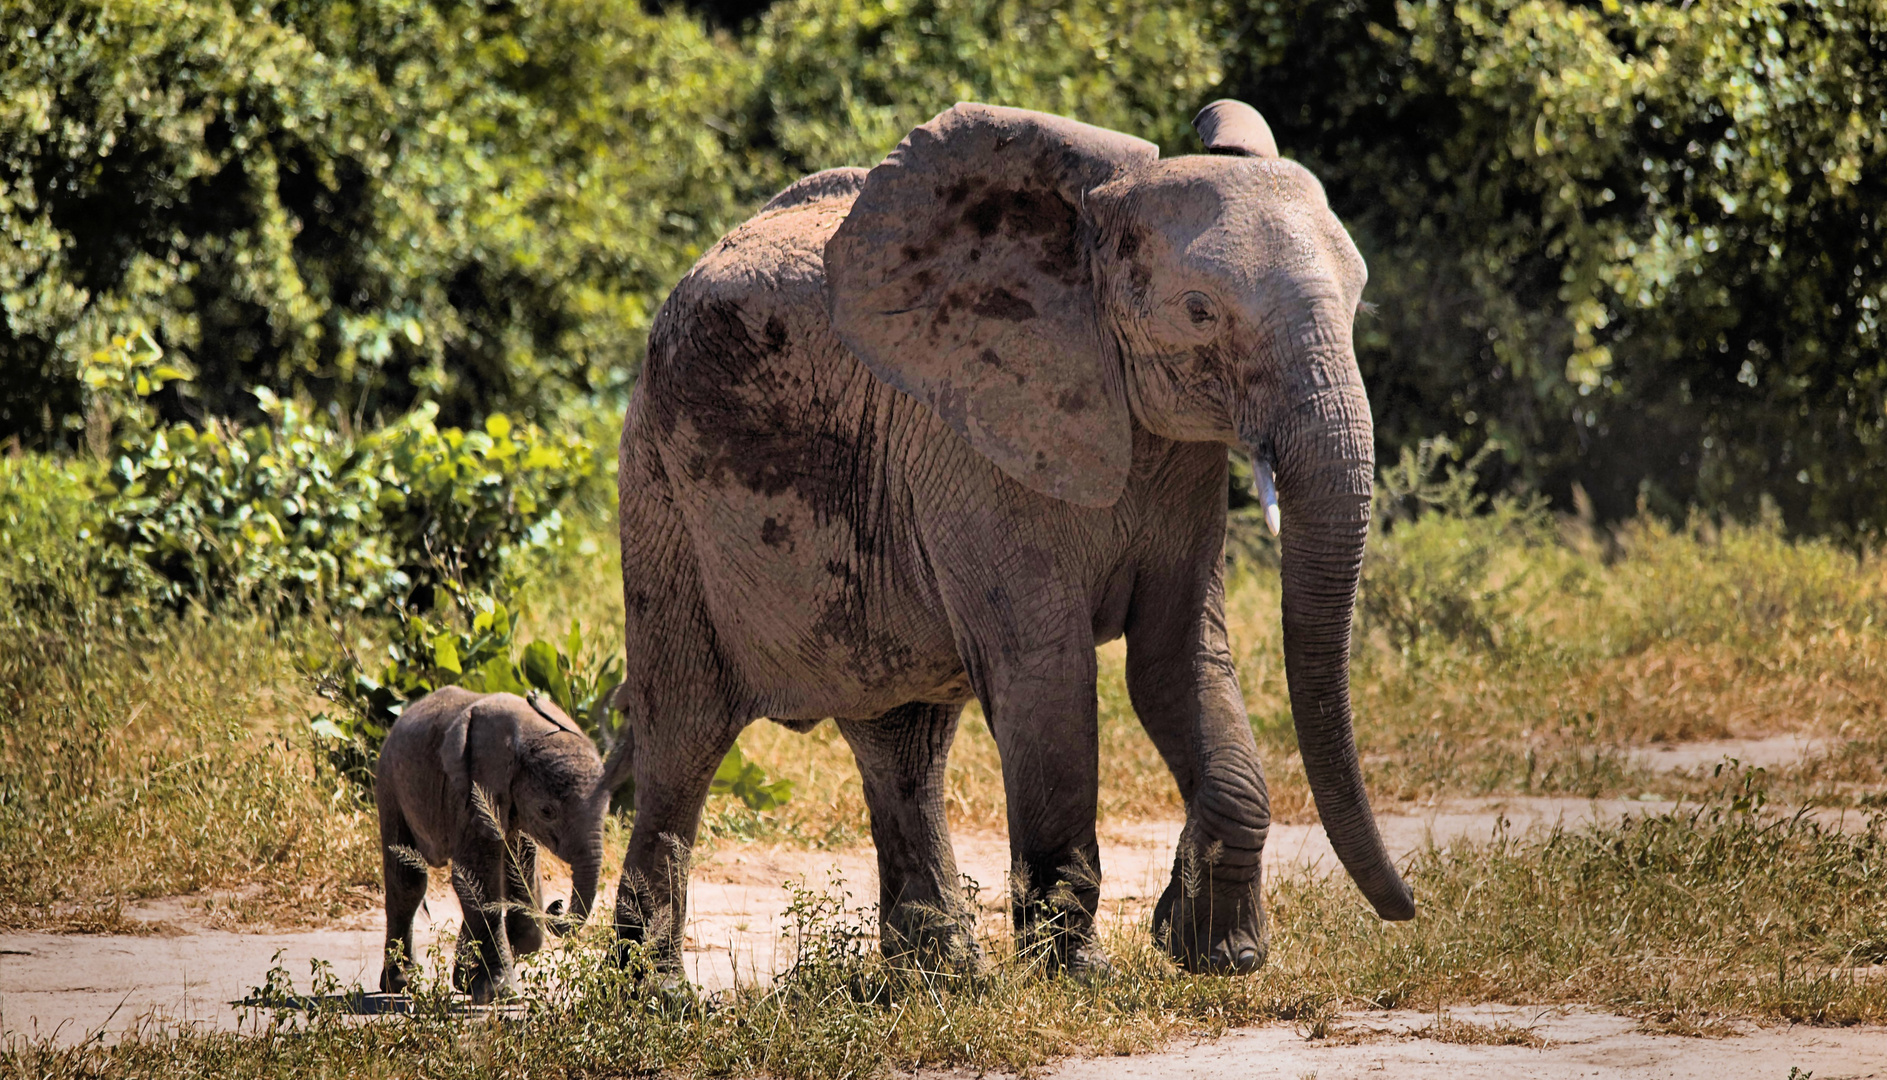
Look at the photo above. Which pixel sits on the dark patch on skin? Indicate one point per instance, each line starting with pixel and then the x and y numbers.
pixel 988 356
pixel 1129 244
pixel 1002 142
pixel 734 390
pixel 836 568
pixel 976 254
pixel 986 216
pixel 637 601
pixel 1023 212
pixel 961 190
pixel 1072 401
pixel 773 534
pixel 1139 279
pixel 1000 303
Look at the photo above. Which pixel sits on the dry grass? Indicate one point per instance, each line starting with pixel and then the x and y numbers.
pixel 1724 909
pixel 136 765
pixel 1655 635
pixel 1452 1029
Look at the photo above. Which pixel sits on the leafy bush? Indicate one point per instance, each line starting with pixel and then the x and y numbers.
pixel 1434 564
pixel 479 651
pixel 293 510
pixel 48 525
pixel 845 80
pixel 475 646
pixel 1636 242
pixel 370 205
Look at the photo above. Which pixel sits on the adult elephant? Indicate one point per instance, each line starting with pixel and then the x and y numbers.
pixel 937 429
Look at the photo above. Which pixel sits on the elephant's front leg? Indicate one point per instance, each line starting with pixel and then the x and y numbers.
pixel 1184 687
pixel 484 966
pixel 921 908
pixel 673 774
pixel 524 917
pixel 1041 710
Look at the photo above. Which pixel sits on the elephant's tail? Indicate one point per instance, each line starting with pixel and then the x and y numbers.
pixel 621 743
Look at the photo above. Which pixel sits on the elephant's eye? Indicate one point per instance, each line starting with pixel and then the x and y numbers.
pixel 1199 309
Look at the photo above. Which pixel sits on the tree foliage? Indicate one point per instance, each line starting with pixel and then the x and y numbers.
pixel 374 203
pixel 1636 244
pixel 1639 244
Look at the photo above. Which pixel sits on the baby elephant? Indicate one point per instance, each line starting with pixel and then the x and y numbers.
pixel 478 780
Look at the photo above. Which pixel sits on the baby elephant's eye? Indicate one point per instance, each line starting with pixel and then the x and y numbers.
pixel 1199 309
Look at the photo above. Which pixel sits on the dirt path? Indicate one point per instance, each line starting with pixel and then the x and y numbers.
pixel 1579 1044
pixel 738 931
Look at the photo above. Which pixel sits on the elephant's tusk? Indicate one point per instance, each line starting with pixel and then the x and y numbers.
pixel 1265 486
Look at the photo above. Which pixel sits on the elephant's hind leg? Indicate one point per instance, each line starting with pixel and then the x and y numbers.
pixel 405 876
pixel 922 910
pixel 673 775
pixel 681 702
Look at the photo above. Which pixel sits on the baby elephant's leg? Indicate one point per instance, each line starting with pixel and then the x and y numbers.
pixel 524 924
pixel 484 966
pixel 405 876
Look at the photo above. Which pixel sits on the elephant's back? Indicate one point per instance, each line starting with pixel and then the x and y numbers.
pixel 410 777
pixel 781 453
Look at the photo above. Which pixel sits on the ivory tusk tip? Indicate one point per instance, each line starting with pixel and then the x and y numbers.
pixel 1272 520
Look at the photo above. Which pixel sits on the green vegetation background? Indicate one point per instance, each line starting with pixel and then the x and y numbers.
pixel 1638 245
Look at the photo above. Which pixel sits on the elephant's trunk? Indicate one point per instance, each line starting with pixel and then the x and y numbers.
pixel 584 871
pixel 1323 453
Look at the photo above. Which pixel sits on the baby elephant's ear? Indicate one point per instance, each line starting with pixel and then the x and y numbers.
pixel 961 277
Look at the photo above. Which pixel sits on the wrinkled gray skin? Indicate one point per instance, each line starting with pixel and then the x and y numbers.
pixel 538 772
pixel 935 431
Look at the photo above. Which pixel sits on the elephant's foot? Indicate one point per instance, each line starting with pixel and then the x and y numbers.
pixel 394 978
pixel 1056 926
pixel 933 938
pixel 1088 963
pixel 485 982
pixel 486 988
pixel 1215 928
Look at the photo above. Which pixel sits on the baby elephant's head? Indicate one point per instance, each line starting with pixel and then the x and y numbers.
pixel 558 799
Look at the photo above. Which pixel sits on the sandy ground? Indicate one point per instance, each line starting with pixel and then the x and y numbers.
pixel 1579 1044
pixel 68 986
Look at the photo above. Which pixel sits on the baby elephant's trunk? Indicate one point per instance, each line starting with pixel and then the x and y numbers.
pixel 583 874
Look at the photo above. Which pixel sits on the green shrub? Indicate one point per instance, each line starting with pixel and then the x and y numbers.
pixel 1437 562
pixel 473 645
pixel 49 524
pixel 295 511
pixel 372 204
pixel 1743 583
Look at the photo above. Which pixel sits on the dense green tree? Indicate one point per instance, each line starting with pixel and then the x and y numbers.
pixel 372 203
pixel 1637 243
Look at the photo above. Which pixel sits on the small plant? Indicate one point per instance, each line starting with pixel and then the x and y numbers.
pixel 1434 560
pixel 474 644
pixel 748 782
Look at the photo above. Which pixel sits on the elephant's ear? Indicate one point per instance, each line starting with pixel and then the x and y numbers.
pixel 1233 127
pixel 961 277
pixel 479 747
